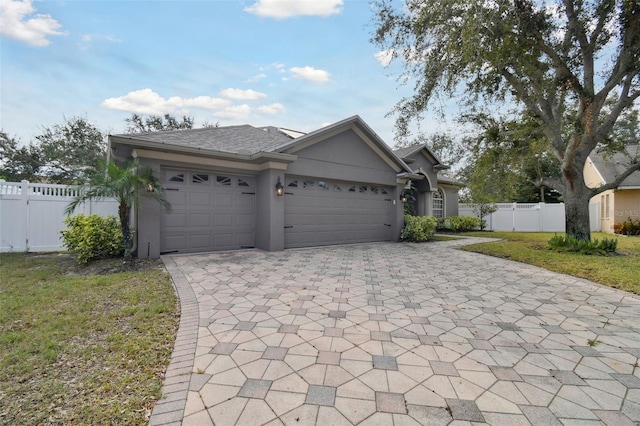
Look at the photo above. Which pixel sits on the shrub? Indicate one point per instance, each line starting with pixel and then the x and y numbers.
pixel 628 227
pixel 458 223
pixel 93 237
pixel 464 223
pixel 418 228
pixel 567 243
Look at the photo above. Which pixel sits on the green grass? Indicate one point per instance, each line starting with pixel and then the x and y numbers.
pixel 618 271
pixel 81 349
pixel 441 237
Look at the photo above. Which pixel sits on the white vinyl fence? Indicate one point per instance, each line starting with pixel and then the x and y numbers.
pixel 529 217
pixel 32 214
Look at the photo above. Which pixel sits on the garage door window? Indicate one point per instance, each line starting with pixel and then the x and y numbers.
pixel 200 178
pixel 321 185
pixel 243 183
pixel 223 180
pixel 177 178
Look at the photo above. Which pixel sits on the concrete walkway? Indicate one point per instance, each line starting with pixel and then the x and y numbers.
pixel 396 334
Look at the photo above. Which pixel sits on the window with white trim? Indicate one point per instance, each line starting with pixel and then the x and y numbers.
pixel 437 203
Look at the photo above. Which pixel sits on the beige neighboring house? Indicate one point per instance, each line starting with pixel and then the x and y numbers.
pixel 616 205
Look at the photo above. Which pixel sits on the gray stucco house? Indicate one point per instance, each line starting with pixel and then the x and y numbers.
pixel 271 188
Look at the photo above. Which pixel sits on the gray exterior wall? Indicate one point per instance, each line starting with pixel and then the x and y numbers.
pixel 148 218
pixel 270 212
pixel 422 162
pixel 342 157
pixel 450 199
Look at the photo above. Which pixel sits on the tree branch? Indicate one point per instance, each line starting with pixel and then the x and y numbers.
pixel 635 166
pixel 554 183
pixel 523 94
pixel 624 101
pixel 575 26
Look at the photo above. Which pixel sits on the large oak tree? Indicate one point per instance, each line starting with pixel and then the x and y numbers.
pixel 573 64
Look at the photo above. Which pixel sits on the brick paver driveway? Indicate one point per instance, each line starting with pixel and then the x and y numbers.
pixel 397 334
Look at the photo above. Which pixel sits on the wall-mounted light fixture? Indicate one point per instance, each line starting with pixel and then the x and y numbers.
pixel 279 188
pixel 403 197
pixel 150 187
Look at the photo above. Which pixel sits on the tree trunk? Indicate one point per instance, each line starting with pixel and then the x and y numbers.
pixel 123 213
pixel 576 208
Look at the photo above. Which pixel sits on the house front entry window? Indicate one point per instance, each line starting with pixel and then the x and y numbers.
pixel 438 203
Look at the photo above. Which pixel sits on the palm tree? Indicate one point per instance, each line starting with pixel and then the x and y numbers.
pixel 124 184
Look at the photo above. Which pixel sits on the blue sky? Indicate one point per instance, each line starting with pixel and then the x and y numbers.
pixel 298 64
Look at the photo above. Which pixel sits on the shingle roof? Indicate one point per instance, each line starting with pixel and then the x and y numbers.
pixel 247 140
pixel 242 139
pixel 410 150
pixel 403 152
pixel 613 166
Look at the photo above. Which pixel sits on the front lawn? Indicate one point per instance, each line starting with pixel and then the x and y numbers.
pixel 618 271
pixel 82 345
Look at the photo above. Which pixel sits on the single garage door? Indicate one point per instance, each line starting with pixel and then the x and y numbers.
pixel 210 211
pixel 322 212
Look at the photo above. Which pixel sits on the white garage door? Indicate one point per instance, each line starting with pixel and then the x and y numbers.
pixel 322 212
pixel 210 211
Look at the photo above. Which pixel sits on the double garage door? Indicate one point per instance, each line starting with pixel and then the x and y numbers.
pixel 322 212
pixel 214 211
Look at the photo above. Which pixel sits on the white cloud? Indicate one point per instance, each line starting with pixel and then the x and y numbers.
pixel 86 40
pixel 384 57
pixel 206 102
pixel 34 31
pixel 272 109
pixel 277 65
pixel 146 101
pixel 244 95
pixel 256 78
pixel 310 74
pixel 234 112
pixel 283 9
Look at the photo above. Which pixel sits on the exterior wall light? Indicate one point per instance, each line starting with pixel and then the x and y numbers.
pixel 279 188
pixel 150 187
pixel 403 197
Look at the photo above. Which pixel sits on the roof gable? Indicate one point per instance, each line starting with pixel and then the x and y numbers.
pixel 411 151
pixel 610 167
pixel 360 128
